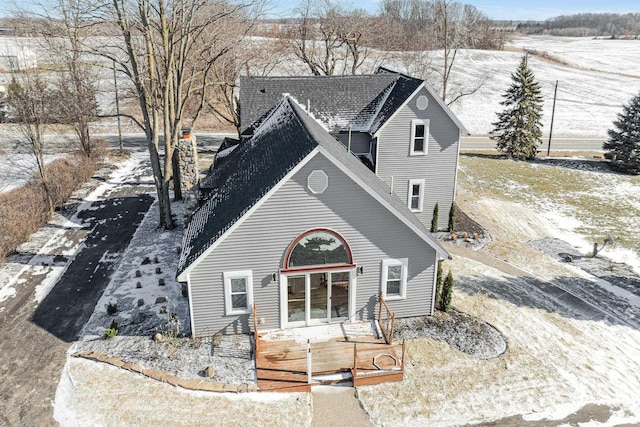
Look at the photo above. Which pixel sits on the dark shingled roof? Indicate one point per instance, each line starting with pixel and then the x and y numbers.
pixel 362 102
pixel 253 168
pixel 257 164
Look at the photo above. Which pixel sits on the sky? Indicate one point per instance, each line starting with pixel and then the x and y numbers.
pixel 537 10
pixel 506 9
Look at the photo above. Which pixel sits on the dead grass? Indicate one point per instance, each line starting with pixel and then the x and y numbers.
pixel 601 201
pixel 104 395
pixel 24 210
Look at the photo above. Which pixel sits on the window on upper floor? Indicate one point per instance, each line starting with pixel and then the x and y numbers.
pixel 394 278
pixel 419 137
pixel 238 292
pixel 416 195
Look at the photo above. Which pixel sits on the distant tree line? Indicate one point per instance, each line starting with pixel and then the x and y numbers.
pixel 586 25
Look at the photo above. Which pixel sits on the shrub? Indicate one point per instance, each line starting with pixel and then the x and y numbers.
pixel 439 283
pixel 112 330
pixel 434 220
pixel 112 308
pixel 447 293
pixel 24 210
pixel 452 217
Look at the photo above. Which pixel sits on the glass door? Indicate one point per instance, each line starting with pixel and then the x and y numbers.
pixel 318 297
pixel 296 291
pixel 339 295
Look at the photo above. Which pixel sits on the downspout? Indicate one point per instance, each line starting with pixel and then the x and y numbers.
pixel 349 142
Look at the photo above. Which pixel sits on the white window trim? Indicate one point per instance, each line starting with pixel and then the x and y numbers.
pixel 228 275
pixel 404 263
pixel 413 182
pixel 414 123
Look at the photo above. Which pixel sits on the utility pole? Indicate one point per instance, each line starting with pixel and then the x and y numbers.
pixel 553 113
pixel 115 84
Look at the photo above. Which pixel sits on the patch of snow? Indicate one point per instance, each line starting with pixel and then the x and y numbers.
pixel 17 168
pixel 226 151
pixel 556 412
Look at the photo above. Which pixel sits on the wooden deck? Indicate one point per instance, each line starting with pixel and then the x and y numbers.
pixel 281 364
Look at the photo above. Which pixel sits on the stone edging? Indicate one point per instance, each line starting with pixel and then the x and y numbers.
pixel 165 377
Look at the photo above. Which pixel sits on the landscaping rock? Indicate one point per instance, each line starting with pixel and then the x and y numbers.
pixel 140 302
pixel 146 261
pixel 161 300
pixel 138 273
pixel 209 372
pixel 138 318
pixel 158 337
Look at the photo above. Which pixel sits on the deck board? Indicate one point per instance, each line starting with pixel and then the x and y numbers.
pixel 281 364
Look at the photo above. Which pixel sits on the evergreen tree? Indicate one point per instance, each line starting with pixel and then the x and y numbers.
pixel 447 293
pixel 439 283
pixel 452 218
pixel 518 130
pixel 623 147
pixel 434 219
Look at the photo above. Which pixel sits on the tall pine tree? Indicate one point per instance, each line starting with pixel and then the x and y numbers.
pixel 518 130
pixel 623 147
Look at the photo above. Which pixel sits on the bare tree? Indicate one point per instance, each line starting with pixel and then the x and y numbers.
pixel 171 48
pixel 329 39
pixel 251 59
pixel 63 27
pixel 76 86
pixel 29 100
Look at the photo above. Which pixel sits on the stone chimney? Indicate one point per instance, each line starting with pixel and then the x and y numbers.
pixel 189 174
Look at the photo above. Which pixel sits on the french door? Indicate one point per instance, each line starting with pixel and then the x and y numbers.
pixel 316 297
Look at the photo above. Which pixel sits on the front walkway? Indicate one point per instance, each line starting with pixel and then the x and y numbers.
pixel 337 406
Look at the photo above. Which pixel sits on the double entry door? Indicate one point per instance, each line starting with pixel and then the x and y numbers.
pixel 316 297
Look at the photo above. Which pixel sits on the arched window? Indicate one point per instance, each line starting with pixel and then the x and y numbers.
pixel 318 247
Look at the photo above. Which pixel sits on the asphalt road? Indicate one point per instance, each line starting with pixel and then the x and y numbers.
pixel 211 141
pixel 478 143
pixel 205 141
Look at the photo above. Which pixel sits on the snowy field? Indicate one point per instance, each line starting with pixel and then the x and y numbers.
pixel 595 78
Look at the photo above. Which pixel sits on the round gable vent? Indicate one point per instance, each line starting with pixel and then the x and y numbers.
pixel 317 181
pixel 422 102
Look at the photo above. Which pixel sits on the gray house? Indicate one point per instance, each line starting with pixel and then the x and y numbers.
pixel 294 223
pixel 396 124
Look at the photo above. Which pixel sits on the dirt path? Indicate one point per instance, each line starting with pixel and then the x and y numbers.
pixel 334 406
pixel 34 338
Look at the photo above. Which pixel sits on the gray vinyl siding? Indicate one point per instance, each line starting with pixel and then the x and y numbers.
pixel 360 142
pixel 437 168
pixel 260 242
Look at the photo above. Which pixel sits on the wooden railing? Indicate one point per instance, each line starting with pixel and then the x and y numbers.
pixel 386 320
pixel 368 375
pixel 255 328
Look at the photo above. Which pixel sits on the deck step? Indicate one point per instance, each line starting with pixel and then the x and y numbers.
pixel 280 375
pixel 283 386
pixel 335 378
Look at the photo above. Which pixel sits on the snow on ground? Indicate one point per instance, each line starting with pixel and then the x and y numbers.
pixel 555 363
pixel 16 169
pixel 92 393
pixel 611 56
pixel 154 254
pixel 587 101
